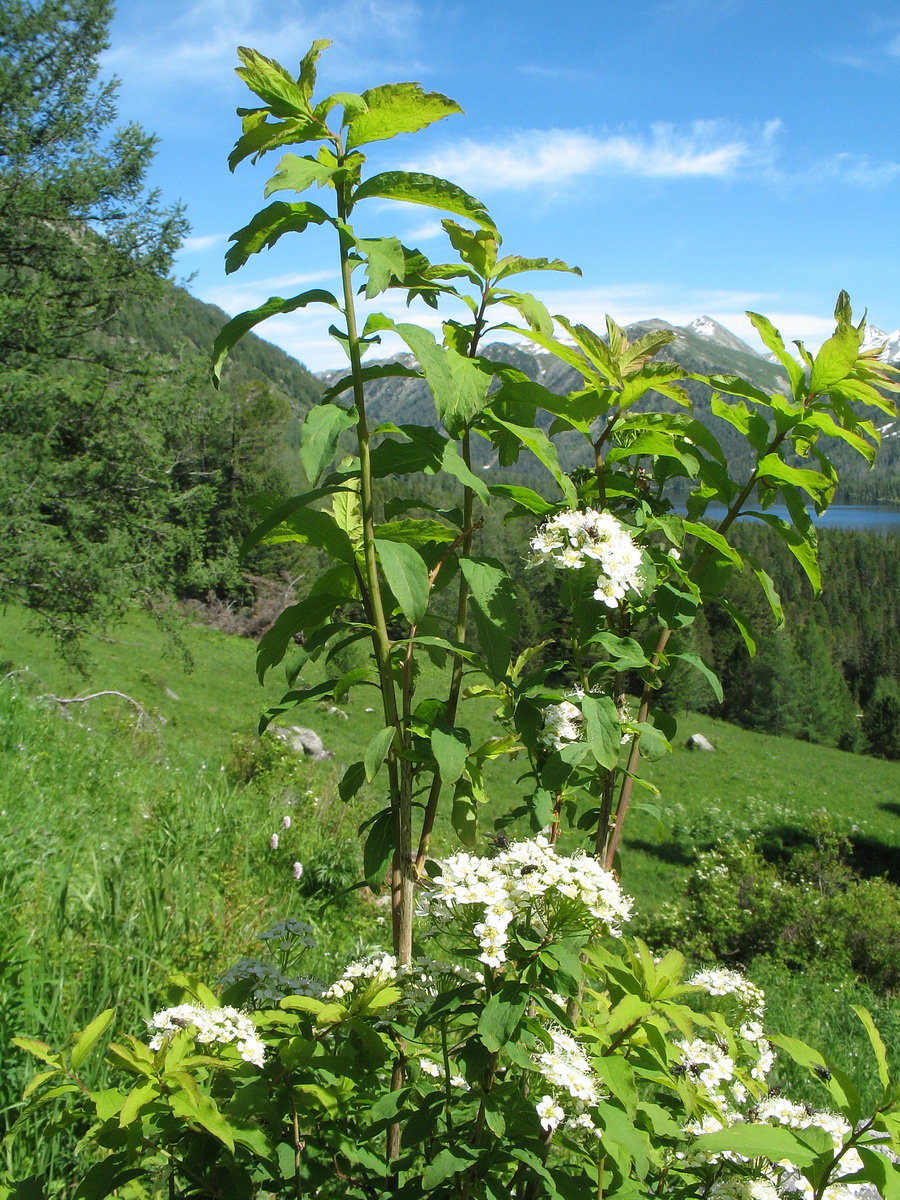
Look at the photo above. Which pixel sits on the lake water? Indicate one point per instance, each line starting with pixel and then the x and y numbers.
pixel 874 518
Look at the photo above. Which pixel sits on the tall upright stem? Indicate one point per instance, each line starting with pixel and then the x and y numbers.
pixel 608 838
pixel 399 782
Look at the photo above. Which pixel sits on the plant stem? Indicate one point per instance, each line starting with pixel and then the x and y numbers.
pixel 611 840
pixel 399 781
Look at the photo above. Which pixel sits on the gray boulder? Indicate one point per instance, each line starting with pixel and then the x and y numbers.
pixel 305 741
pixel 698 742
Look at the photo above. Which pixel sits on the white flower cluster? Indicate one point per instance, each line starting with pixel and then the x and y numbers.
pixel 527 878
pixel 719 981
pixel 567 1070
pixel 270 983
pixel 563 723
pixel 587 538
pixel 211 1026
pixel 380 969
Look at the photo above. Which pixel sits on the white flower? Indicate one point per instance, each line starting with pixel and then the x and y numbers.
pixel 211 1026
pixel 573 540
pixel 298 870
pixel 285 822
pixel 273 841
pixel 549 1112
pixel 563 723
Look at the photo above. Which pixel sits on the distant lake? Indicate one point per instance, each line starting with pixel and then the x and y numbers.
pixel 875 518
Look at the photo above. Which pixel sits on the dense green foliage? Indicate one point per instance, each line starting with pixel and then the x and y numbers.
pixel 123 474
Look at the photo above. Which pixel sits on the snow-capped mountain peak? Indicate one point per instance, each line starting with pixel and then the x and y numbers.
pixel 706 327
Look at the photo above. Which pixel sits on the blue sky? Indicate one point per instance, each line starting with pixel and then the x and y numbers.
pixel 691 156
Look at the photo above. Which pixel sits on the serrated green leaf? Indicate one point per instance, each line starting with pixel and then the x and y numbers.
pixel 296 173
pixel 543 449
pixel 414 187
pixel 772 339
pixel 272 83
pixel 232 333
pixel 397 108
pixel 270 224
pixel 385 261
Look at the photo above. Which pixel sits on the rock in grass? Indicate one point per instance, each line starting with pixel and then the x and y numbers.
pixel 305 741
pixel 698 742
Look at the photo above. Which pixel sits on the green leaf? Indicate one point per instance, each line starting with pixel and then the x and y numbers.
pixel 143 1094
pixel 464 816
pixel 445 1163
pixel 453 463
pixel 39 1049
pixel 89 1037
pixel 495 610
pixel 450 748
pixel 618 1075
pixel 880 1172
pixel 407 577
pixel 376 751
pixel 602 728
pixel 379 847
pixel 529 308
pixel 524 497
pixel 459 384
pixel 232 333
pixel 413 187
pixel 712 538
pixel 296 173
pixel 772 339
pixel 625 654
pixel 268 226
pixel 385 261
pixel 351 781
pixel 416 531
pixel 314 527
pixel 205 1113
pixel 276 514
pixel 835 360
pixel 375 371
pixel 543 449
pixel 878 1045
pixel 812 482
pixel 501 1016
pixel 272 83
pixel 800 545
pixel 768 586
pixel 308 614
pixel 323 426
pixel 773 1142
pixel 397 108
pixel 514 264
pixel 740 622
pixel 709 675
pixel 306 80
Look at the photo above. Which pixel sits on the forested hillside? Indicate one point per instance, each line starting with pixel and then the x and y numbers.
pixel 123 474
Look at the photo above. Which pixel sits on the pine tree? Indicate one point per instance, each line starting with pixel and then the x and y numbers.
pixel 881 720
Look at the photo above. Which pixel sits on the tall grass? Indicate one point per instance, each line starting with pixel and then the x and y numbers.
pixel 117 869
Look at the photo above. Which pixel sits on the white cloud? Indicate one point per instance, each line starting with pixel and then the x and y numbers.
pixel 860 170
pixel 555 157
pixel 195 43
pixel 194 245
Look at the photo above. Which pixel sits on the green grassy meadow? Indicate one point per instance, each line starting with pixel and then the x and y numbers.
pixel 131 851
